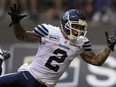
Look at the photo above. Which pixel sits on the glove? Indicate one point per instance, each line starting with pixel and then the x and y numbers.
pixel 15 14
pixel 4 54
pixel 111 40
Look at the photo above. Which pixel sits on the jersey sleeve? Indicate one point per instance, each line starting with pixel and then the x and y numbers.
pixel 41 30
pixel 87 46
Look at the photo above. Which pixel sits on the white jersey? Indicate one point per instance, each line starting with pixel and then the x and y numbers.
pixel 55 54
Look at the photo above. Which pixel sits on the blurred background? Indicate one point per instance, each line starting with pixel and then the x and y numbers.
pixel 101 17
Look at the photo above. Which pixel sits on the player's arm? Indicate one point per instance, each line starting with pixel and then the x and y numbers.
pixel 96 58
pixel 19 31
pixel 23 35
pixel 100 57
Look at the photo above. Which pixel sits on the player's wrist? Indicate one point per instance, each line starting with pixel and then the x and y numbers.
pixel 111 48
pixel 111 40
pixel 13 23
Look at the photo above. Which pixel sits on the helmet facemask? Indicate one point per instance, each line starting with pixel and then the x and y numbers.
pixel 75 33
pixel 73 24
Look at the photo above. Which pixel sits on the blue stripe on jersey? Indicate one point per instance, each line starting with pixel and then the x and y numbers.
pixel 41 30
pixel 36 31
pixel 44 29
pixel 87 46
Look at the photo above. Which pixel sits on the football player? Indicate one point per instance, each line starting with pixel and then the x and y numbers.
pixel 58 46
pixel 4 55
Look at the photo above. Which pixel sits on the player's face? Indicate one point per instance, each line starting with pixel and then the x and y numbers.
pixel 77 30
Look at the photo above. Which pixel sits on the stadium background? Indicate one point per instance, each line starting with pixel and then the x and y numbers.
pixel 79 74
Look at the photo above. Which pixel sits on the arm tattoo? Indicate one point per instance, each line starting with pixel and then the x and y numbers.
pixel 96 59
pixel 23 35
pixel 32 37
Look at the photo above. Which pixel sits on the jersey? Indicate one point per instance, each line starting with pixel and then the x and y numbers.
pixel 54 54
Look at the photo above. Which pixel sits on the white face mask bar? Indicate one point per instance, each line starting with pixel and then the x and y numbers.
pixel 80 32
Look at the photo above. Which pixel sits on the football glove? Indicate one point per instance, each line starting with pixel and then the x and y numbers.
pixel 111 40
pixel 15 14
pixel 5 54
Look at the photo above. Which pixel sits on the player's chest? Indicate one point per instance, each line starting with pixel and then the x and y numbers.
pixel 63 46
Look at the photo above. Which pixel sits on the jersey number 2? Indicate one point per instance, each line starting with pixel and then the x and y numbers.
pixel 58 59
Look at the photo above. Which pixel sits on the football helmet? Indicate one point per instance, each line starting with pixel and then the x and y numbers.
pixel 73 18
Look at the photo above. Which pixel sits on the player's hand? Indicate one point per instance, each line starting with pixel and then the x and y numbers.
pixel 15 14
pixel 111 40
pixel 5 54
